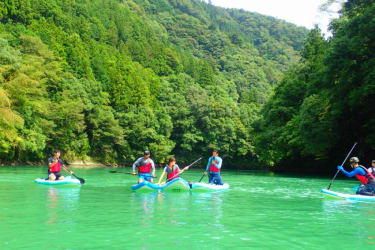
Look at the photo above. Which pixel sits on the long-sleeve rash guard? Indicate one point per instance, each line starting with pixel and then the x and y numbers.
pixel 218 163
pixel 142 162
pixel 353 173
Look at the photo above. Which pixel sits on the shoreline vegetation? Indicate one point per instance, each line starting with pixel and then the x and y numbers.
pixel 91 164
pixel 104 80
pixel 78 163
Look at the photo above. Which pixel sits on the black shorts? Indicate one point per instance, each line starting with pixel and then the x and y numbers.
pixel 57 174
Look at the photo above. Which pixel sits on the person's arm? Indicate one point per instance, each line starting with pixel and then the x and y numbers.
pixel 135 165
pixel 161 177
pixel 62 163
pixel 181 170
pixel 353 173
pixel 208 164
pixel 67 170
pixel 51 161
pixel 220 161
pixel 153 167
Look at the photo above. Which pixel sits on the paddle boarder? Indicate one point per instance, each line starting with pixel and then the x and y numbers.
pixel 372 168
pixel 54 166
pixel 172 170
pixel 145 165
pixel 363 175
pixel 213 168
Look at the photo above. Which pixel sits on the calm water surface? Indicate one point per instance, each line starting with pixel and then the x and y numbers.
pixel 260 211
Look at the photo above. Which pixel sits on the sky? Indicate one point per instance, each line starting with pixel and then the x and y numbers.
pixel 300 12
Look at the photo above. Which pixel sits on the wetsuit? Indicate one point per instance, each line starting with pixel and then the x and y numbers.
pixel 214 170
pixel 365 177
pixel 144 168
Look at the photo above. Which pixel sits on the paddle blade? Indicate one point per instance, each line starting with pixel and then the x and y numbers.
pixel 81 180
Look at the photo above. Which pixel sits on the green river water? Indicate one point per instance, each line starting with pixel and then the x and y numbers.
pixel 259 211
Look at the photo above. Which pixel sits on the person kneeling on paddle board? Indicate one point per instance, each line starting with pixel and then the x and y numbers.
pixel 54 166
pixel 172 170
pixel 214 167
pixel 145 165
pixel 363 175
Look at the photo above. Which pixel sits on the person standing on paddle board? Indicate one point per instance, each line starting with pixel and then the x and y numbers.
pixel 145 164
pixel 54 166
pixel 213 168
pixel 363 175
pixel 172 170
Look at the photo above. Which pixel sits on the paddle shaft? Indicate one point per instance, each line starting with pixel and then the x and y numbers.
pixel 117 172
pixel 202 177
pixel 334 177
pixel 81 180
pixel 185 168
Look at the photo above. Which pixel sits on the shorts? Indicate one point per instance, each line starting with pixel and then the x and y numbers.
pixel 56 174
pixel 145 176
pixel 367 189
pixel 215 178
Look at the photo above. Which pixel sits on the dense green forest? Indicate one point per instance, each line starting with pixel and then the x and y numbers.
pixel 105 79
pixel 326 102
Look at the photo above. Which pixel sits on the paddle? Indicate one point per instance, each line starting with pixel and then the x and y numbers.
pixel 81 180
pixel 334 177
pixel 185 168
pixel 201 178
pixel 117 172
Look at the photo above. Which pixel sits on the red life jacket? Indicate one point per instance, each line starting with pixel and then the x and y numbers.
pixel 55 168
pixel 146 169
pixel 213 167
pixel 174 174
pixel 365 178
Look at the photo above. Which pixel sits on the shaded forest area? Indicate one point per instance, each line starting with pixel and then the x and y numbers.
pixel 326 102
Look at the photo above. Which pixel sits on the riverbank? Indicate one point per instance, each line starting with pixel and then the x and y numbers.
pixel 80 163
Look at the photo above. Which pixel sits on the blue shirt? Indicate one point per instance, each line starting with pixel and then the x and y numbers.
pixel 357 170
pixel 218 162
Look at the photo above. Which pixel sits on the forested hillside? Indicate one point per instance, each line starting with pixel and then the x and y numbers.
pixel 106 79
pixel 327 101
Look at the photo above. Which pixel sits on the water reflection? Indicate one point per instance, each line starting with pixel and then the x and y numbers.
pixel 61 199
pixel 173 208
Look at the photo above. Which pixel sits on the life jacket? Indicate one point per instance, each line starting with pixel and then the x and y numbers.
pixel 55 168
pixel 213 167
pixel 173 175
pixel 145 169
pixel 368 178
